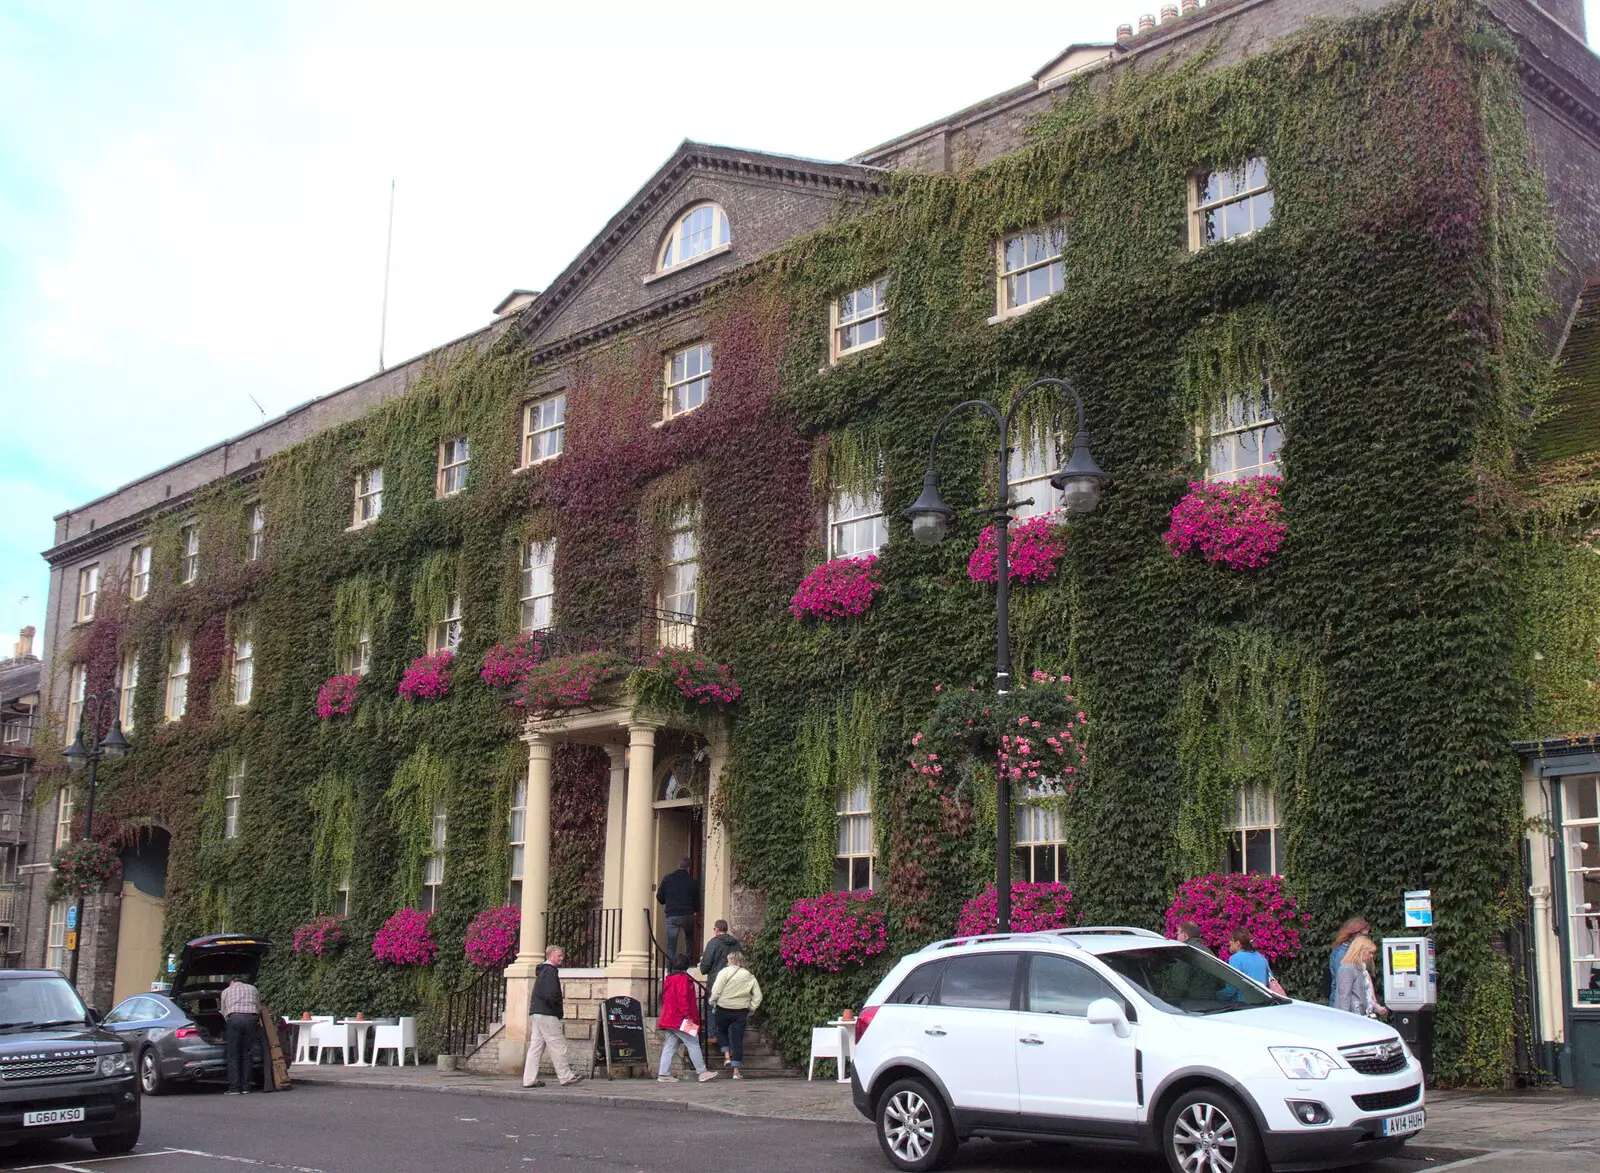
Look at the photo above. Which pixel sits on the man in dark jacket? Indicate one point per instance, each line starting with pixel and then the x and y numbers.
pixel 712 962
pixel 680 893
pixel 544 1023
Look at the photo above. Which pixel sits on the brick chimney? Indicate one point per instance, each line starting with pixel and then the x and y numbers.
pixel 24 642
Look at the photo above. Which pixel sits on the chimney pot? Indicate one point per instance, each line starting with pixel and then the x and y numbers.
pixel 1190 6
pixel 25 642
pixel 1169 12
pixel 1124 31
pixel 1147 21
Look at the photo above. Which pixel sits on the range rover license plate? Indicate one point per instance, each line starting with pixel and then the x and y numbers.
pixel 1403 1125
pixel 55 1116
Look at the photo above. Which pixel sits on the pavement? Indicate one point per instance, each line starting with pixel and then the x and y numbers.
pixel 1545 1131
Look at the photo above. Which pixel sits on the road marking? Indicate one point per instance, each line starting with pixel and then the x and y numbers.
pixel 246 1161
pixel 78 1168
pixel 1464 1162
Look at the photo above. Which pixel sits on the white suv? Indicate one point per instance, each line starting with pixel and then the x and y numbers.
pixel 1116 1037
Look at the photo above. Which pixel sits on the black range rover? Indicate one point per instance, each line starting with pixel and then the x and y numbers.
pixel 61 1074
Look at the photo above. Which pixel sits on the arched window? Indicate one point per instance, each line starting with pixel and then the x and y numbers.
pixel 698 231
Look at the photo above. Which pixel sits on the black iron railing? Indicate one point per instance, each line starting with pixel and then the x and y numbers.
pixel 591 937
pixel 657 969
pixel 635 638
pixel 472 1010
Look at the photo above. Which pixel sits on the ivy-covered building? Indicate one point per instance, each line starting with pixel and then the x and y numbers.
pixel 1344 253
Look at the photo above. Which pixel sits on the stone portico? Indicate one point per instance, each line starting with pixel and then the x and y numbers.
pixel 644 840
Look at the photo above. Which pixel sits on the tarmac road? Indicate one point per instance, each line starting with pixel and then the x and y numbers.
pixel 325 1129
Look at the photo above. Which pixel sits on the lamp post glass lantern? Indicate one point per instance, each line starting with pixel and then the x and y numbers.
pixel 1079 481
pixel 86 750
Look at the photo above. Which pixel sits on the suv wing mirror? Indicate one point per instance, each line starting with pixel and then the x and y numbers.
pixel 1106 1012
pixel 94 1014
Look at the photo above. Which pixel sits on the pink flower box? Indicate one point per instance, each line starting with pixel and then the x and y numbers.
pixel 837 589
pixel 428 677
pixel 831 931
pixel 1221 903
pixel 1034 548
pixel 405 939
pixel 493 937
pixel 1238 523
pixel 337 696
pixel 508 665
pixel 1034 908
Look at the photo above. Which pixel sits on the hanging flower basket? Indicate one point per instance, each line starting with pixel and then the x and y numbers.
pixel 82 868
pixel 428 677
pixel 568 681
pixel 698 680
pixel 1238 524
pixel 1221 903
pixel 507 665
pixel 405 939
pixel 832 931
pixel 837 589
pixel 1034 908
pixel 319 936
pixel 337 696
pixel 493 936
pixel 1034 548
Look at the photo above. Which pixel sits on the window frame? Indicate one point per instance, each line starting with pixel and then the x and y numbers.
pixel 529 595
pixel 1026 845
pixel 433 867
pixel 1199 206
pixel 177 694
pixel 447 480
pixel 88 591
pixel 255 522
pixel 231 799
pixel 1261 402
pixel 139 572
pixel 77 693
pixel 1046 447
pixel 838 521
pixel 671 385
pixel 357 659
pixel 1004 306
pixel 127 687
pixel 55 945
pixel 676 625
pixel 368 505
pixel 858 815
pixel 517 837
pixel 531 434
pixel 838 324
pixel 444 634
pixel 244 638
pixel 671 245
pixel 189 563
pixel 1241 827
pixel 1579 832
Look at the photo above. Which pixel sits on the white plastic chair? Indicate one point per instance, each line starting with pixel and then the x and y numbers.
pixel 396 1037
pixel 824 1045
pixel 339 1035
pixel 303 1046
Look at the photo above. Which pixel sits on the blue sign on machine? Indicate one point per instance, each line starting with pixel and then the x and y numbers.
pixel 72 918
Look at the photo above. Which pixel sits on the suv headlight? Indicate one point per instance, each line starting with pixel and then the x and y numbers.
pixel 114 1064
pixel 1303 1062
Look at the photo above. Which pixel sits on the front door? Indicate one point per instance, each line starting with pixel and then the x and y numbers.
pixel 1066 1065
pixel 139 961
pixel 680 834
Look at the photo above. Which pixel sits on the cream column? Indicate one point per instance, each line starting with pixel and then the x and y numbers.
pixel 718 875
pixel 638 871
pixel 616 814
pixel 535 901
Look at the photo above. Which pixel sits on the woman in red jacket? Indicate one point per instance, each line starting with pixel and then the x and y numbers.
pixel 680 1021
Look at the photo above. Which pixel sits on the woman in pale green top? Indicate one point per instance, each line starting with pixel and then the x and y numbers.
pixel 734 995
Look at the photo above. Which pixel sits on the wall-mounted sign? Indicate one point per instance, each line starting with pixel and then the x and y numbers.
pixel 1419 909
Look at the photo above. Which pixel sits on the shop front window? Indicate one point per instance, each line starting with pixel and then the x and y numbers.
pixel 1580 841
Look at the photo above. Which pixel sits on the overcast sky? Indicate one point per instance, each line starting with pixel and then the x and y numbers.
pixel 193 196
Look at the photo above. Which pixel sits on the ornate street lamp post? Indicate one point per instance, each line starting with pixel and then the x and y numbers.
pixel 1080 481
pixel 87 748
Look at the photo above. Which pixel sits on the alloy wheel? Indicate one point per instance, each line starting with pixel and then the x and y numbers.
pixel 148 1079
pixel 908 1125
pixel 1204 1139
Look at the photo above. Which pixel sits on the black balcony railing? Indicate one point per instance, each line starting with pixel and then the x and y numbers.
pixel 591 937
pixel 636 638
pixel 471 1012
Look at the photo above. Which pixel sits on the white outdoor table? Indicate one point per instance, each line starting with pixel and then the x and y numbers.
pixel 363 1028
pixel 847 1044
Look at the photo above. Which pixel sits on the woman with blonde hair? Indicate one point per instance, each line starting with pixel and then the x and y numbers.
pixel 1351 928
pixel 1354 990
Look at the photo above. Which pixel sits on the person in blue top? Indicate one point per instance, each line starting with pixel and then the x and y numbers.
pixel 1243 957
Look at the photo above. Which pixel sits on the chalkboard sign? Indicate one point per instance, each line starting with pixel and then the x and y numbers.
pixel 619 1041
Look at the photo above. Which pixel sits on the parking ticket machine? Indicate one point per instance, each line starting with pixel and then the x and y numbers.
pixel 1410 991
pixel 1410 981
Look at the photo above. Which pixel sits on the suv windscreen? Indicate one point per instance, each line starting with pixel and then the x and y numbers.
pixel 1187 980
pixel 37 1002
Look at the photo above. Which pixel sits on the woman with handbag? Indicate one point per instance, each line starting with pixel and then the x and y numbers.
pixel 1354 991
pixel 680 1022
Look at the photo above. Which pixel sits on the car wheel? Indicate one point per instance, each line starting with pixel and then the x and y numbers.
pixel 118 1142
pixel 151 1081
pixel 914 1128
pixel 1207 1130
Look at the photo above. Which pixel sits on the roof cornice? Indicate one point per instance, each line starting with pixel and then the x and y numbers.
pixel 105 536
